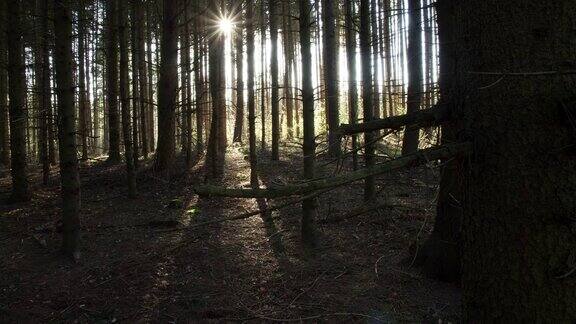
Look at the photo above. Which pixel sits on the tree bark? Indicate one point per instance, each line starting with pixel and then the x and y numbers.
pixel 129 156
pixel 112 80
pixel 411 137
pixel 17 96
pixel 83 106
pixel 216 144
pixel 519 242
pixel 167 88
pixel 251 97
pixel 67 129
pixel 199 82
pixel 43 86
pixel 330 52
pixel 4 134
pixel 352 82
pixel 367 103
pixel 136 95
pixel 309 151
pixel 273 10
pixel 239 118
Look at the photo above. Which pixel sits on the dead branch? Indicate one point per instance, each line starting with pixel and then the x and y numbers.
pixel 421 157
pixel 420 119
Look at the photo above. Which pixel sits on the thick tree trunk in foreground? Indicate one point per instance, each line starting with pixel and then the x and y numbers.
pixel 251 97
pixel 67 129
pixel 112 80
pixel 308 205
pixel 125 99
pixel 518 229
pixel 330 52
pixel 369 157
pixel 167 88
pixel 17 95
pixel 134 98
pixel 4 135
pixel 411 137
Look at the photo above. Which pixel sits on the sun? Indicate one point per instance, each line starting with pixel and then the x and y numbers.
pixel 225 25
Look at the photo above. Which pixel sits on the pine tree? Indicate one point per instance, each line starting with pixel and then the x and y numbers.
pixel 67 128
pixel 17 96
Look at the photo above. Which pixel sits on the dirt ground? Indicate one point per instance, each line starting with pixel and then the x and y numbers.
pixel 144 260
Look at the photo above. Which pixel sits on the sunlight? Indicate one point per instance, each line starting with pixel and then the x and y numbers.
pixel 225 25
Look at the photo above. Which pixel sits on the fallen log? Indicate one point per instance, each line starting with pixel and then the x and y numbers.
pixel 420 119
pixel 446 151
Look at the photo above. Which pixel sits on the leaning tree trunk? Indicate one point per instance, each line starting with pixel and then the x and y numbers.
pixel 330 52
pixel 67 128
pixel 411 137
pixel 367 103
pixel 308 205
pixel 518 229
pixel 17 96
pixel 167 92
pixel 112 80
pixel 125 99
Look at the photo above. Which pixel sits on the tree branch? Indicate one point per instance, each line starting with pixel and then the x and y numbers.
pixel 420 119
pixel 422 156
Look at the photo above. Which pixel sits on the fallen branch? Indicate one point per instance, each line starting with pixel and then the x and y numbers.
pixel 420 119
pixel 420 157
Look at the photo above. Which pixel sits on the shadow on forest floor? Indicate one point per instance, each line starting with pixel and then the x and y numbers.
pixel 143 259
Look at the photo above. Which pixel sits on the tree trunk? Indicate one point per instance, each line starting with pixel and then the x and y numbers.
pixel 411 137
pixel 199 83
pixel 135 63
pixel 272 4
pixel 83 106
pixel 251 97
pixel 239 119
pixel 4 134
pixel 369 183
pixel 17 96
pixel 167 88
pixel 352 82
pixel 375 60
pixel 43 86
pixel 150 99
pixel 125 99
pixel 188 89
pixel 287 37
pixel 518 228
pixel 308 205
pixel 112 80
pixel 67 129
pixel 330 52
pixel 216 144
pixel 440 255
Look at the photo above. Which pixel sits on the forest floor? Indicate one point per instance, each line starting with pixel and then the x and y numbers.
pixel 143 260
